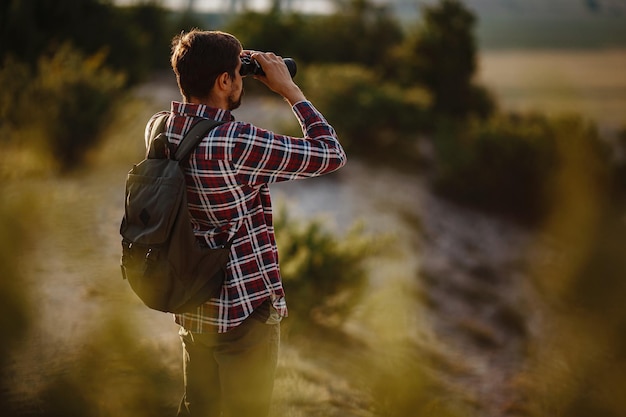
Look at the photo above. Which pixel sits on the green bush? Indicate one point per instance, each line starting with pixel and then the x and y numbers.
pixel 15 79
pixel 441 54
pixel 70 100
pixel 324 275
pixel 273 31
pixel 619 170
pixel 136 37
pixel 508 164
pixel 370 116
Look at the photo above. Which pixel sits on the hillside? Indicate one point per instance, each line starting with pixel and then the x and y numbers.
pixel 423 337
pixel 448 327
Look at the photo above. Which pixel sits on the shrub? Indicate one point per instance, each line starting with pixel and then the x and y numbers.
pixel 441 56
pixel 272 31
pixel 619 171
pixel 324 276
pixel 15 78
pixel 59 108
pixel 137 37
pixel 370 116
pixel 72 96
pixel 507 164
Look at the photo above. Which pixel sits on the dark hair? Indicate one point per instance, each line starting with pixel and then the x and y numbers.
pixel 199 57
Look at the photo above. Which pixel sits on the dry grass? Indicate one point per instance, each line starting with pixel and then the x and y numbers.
pixel 590 82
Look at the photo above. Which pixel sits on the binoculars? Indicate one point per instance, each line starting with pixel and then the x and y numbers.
pixel 250 67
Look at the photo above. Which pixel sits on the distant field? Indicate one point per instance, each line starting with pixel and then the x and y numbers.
pixel 544 32
pixel 589 82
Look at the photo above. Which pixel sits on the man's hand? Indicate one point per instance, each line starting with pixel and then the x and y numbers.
pixel 277 77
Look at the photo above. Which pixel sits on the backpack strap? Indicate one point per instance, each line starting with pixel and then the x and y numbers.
pixel 158 126
pixel 156 148
pixel 195 135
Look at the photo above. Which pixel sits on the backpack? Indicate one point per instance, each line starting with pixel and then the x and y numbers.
pixel 162 260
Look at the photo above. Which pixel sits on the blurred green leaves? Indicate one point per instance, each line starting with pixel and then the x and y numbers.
pixel 369 115
pixel 64 65
pixel 136 38
pixel 509 163
pixel 323 273
pixel 74 97
pixel 60 107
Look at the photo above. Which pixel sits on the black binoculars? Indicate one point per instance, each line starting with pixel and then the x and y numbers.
pixel 250 67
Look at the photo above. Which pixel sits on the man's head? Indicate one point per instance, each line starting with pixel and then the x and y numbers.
pixel 200 58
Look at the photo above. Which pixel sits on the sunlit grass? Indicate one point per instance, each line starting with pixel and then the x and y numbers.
pixel 86 333
pixel 589 82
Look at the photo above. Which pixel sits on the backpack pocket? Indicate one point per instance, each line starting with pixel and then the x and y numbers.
pixel 152 204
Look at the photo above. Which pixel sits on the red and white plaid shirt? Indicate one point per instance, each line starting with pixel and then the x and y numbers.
pixel 228 195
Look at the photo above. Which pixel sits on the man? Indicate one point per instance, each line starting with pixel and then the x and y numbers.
pixel 230 343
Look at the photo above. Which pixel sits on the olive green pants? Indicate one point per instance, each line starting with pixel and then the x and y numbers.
pixel 230 374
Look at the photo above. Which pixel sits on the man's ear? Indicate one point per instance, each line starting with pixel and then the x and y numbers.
pixel 223 81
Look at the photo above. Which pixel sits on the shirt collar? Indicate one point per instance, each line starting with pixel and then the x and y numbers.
pixel 201 110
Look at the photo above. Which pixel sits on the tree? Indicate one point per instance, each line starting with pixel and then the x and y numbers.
pixel 363 33
pixel 135 38
pixel 442 57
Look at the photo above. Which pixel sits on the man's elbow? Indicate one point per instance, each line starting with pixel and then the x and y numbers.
pixel 341 159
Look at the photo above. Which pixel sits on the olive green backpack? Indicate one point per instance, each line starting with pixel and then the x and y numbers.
pixel 162 260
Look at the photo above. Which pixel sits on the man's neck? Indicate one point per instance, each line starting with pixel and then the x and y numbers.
pixel 209 102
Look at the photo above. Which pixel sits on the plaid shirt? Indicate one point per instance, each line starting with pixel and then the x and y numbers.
pixel 228 196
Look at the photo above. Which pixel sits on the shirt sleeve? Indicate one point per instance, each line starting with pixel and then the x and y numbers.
pixel 261 156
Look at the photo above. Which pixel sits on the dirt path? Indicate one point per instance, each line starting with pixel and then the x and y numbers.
pixel 476 316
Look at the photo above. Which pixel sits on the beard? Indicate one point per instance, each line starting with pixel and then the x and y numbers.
pixel 234 101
